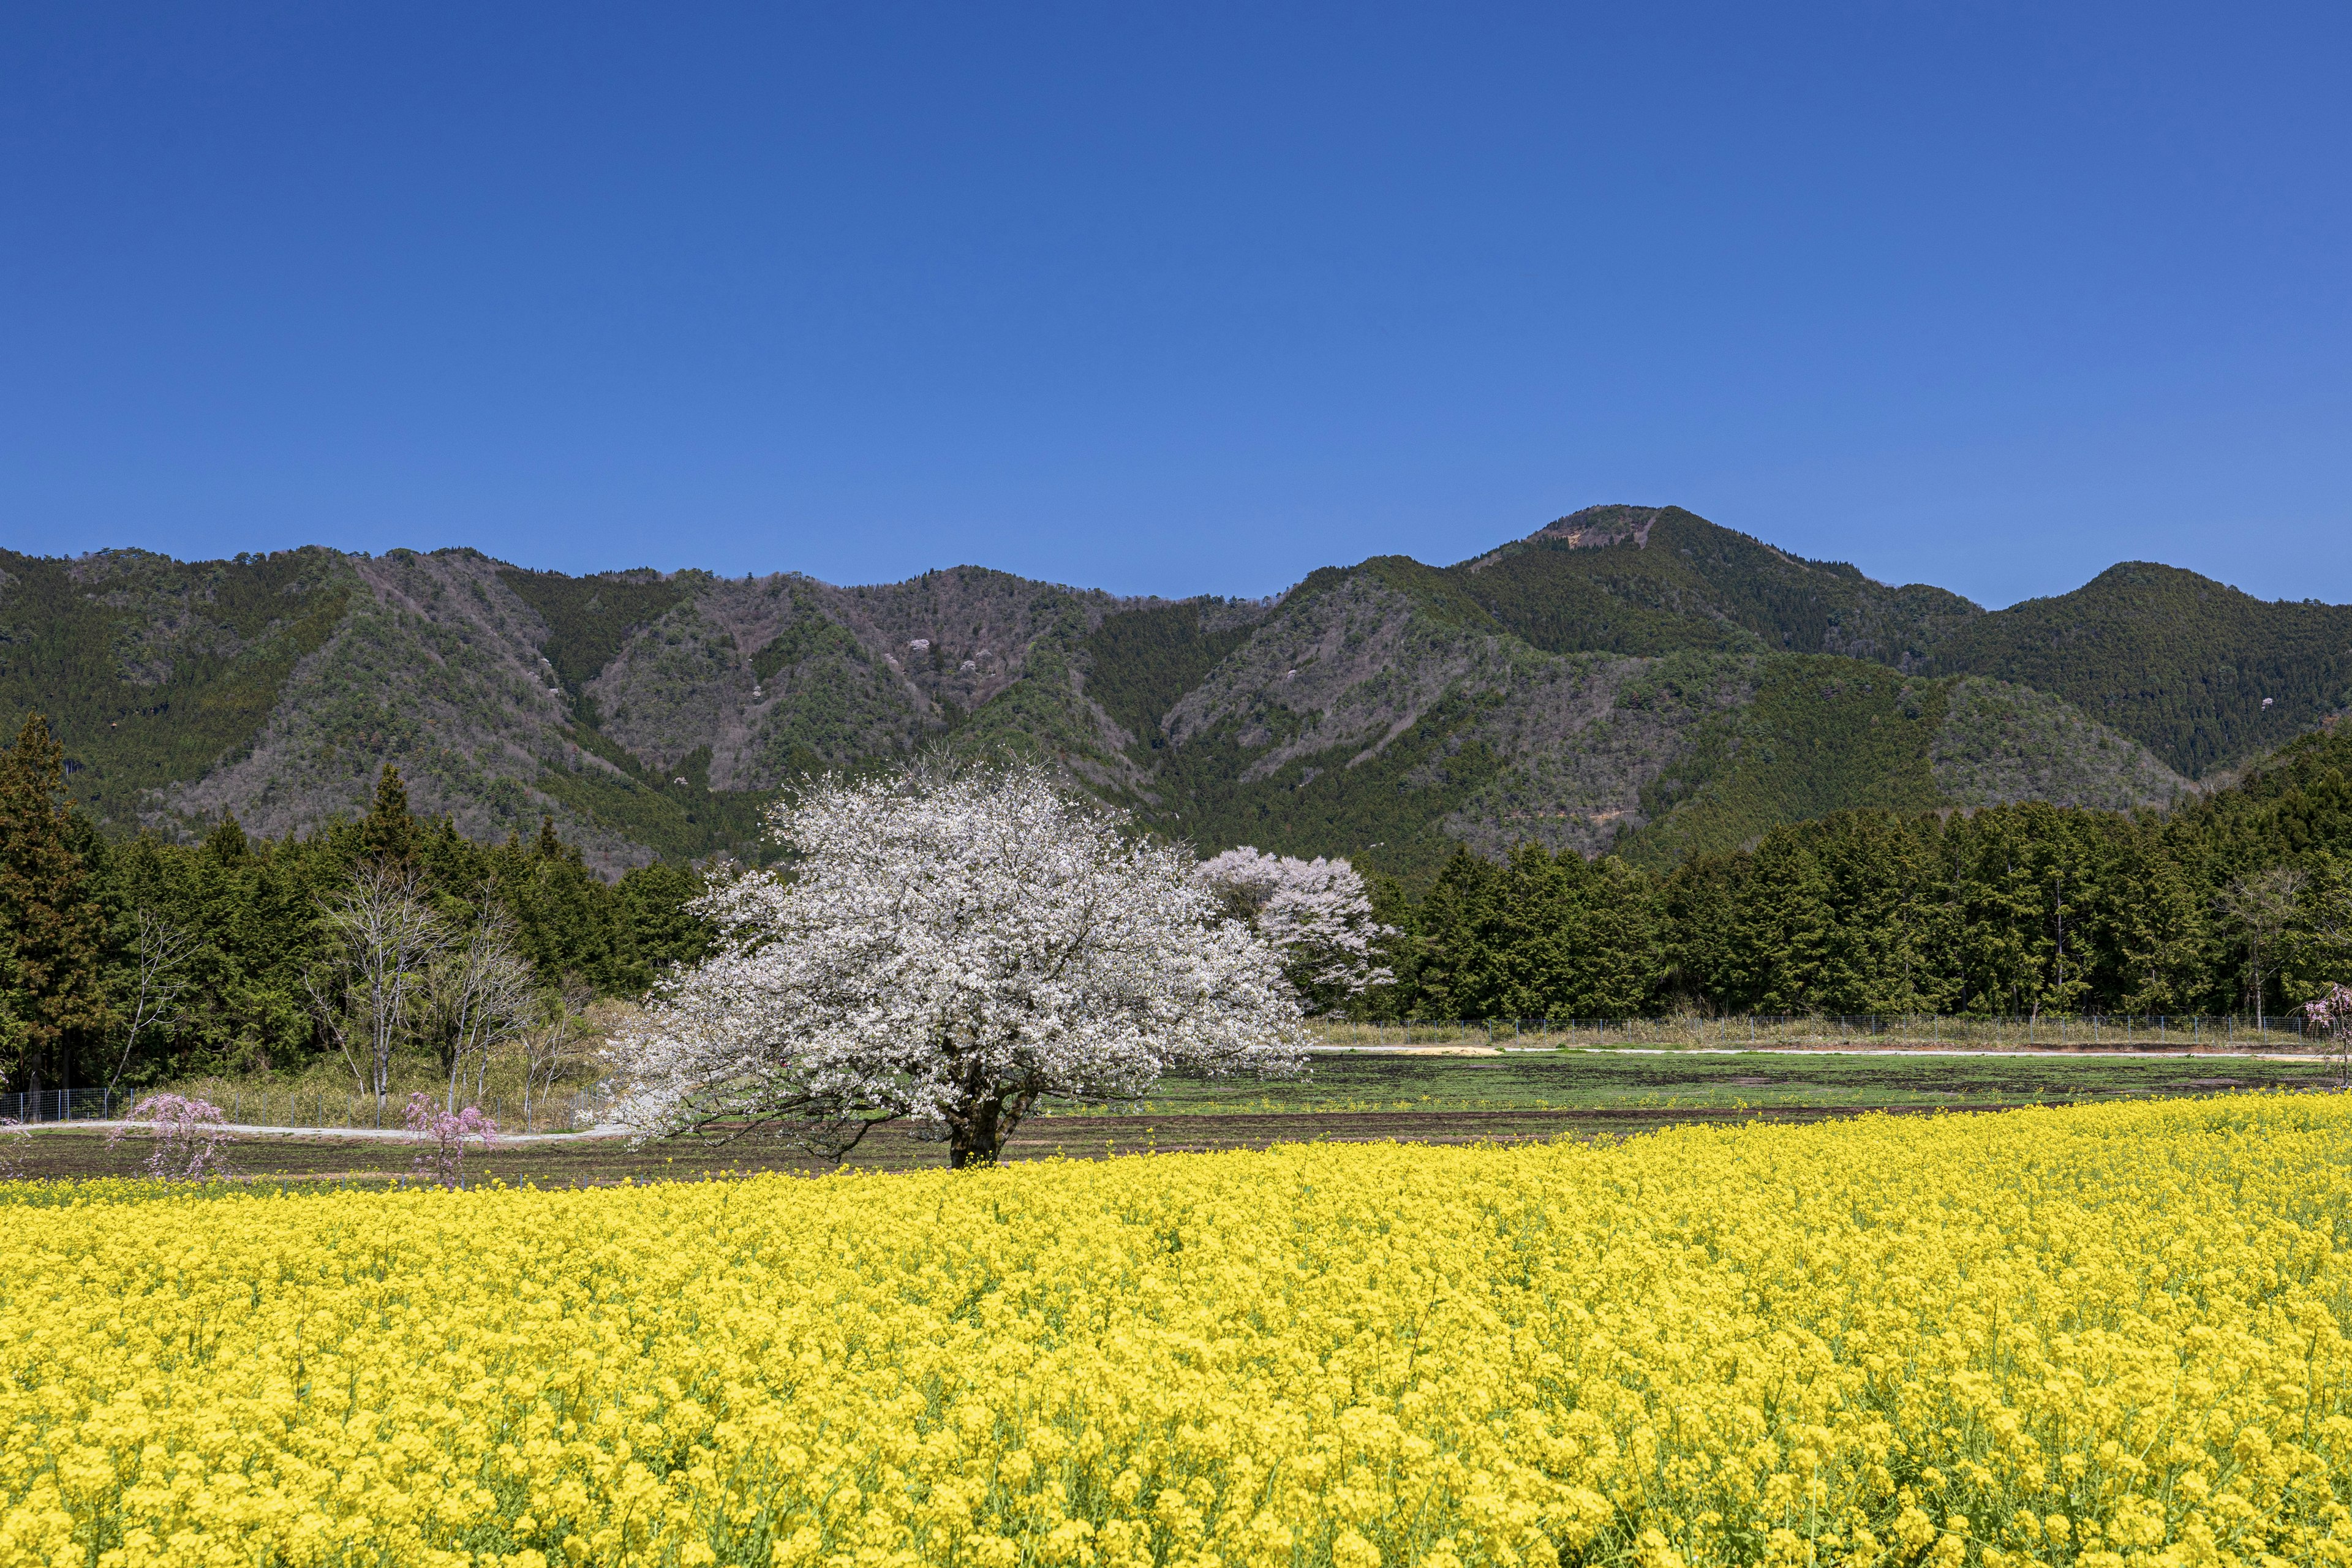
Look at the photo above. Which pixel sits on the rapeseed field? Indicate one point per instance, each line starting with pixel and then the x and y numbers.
pixel 2108 1336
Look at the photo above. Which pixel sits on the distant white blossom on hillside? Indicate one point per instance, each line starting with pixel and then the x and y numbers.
pixel 950 948
pixel 1315 912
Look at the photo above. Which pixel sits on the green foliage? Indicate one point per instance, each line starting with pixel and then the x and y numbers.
pixel 2297 803
pixel 833 708
pixel 1542 935
pixel 1138 662
pixel 153 670
pixel 2018 909
pixel 589 618
pixel 251 913
pixel 1821 735
pixel 1646 581
pixel 50 925
pixel 2000 742
pixel 1390 806
pixel 1553 597
pixel 682 821
pixel 2179 662
pixel 1043 715
pixel 1440 596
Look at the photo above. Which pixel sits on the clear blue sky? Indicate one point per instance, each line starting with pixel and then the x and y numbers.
pixel 1182 299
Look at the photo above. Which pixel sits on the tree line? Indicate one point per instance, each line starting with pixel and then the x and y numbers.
pixel 138 960
pixel 2238 902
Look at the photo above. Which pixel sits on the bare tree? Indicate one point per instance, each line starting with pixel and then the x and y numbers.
pixel 385 938
pixel 553 1042
pixel 481 990
pixel 161 952
pixel 2262 905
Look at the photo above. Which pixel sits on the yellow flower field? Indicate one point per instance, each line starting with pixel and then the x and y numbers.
pixel 2108 1336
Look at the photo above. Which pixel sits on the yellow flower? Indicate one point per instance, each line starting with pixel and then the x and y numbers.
pixel 2113 1337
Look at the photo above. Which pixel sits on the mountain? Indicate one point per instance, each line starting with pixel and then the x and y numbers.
pixel 1649 580
pixel 649 714
pixel 2179 662
pixel 1630 678
pixel 2202 675
pixel 1382 709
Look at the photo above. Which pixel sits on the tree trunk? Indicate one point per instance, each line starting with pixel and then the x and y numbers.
pixel 974 1138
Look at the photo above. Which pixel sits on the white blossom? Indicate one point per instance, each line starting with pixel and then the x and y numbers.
pixel 1315 912
pixel 950 948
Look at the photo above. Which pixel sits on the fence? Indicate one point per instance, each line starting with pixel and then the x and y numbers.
pixel 267 1105
pixel 2095 1031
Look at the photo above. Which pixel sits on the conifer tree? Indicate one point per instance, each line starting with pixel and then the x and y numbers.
pixel 2314 953
pixel 49 922
pixel 226 843
pixel 388 834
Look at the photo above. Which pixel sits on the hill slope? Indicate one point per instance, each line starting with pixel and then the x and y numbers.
pixel 1629 678
pixel 1649 580
pixel 1375 710
pixel 2179 662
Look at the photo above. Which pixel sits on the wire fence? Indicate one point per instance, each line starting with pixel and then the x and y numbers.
pixel 246 1105
pixel 2285 1032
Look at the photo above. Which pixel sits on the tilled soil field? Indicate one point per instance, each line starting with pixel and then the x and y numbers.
pixel 73 1153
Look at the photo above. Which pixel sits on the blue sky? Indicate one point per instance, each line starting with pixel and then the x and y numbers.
pixel 1181 299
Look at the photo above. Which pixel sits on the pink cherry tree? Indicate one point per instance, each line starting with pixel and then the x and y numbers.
pixel 189 1137
pixel 440 1136
pixel 2329 1015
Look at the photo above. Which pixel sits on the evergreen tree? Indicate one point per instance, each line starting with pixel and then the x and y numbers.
pixel 225 843
pixel 2316 951
pixel 51 926
pixel 1781 933
pixel 1624 948
pixel 1457 943
pixel 2155 925
pixel 388 834
pixel 1884 925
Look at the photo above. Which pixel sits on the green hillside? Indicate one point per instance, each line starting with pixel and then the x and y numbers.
pixel 1628 679
pixel 151 670
pixel 1141 661
pixel 1820 735
pixel 1647 579
pixel 589 618
pixel 1380 712
pixel 2179 662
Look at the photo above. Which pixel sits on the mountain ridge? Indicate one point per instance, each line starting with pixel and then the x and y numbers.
pixel 1626 679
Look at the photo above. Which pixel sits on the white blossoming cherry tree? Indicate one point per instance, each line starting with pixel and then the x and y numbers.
pixel 1315 912
pixel 950 948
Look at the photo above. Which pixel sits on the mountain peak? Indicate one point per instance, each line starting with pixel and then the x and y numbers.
pixel 1598 527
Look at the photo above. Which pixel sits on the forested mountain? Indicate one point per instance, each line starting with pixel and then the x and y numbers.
pixel 1647 579
pixel 2179 662
pixel 1628 679
pixel 2201 674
